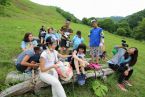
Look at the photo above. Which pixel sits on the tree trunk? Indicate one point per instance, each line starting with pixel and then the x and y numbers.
pixel 35 83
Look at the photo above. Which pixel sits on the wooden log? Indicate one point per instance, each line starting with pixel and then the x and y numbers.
pixel 18 89
pixel 29 85
pixel 15 77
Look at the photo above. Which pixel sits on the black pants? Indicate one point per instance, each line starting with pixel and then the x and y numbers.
pixel 121 69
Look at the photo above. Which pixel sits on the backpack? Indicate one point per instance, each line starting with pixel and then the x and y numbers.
pixel 64 71
pixel 114 51
pixel 94 66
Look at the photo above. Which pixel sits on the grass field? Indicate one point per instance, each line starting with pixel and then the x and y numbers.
pixel 24 16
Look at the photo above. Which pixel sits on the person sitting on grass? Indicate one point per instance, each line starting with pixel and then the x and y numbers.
pixel 28 59
pixel 123 62
pixel 28 42
pixel 58 38
pixel 48 65
pixel 51 33
pixel 80 63
pixel 77 40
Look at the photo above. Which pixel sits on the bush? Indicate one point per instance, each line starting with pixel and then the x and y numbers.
pixel 4 2
pixel 139 31
pixel 121 31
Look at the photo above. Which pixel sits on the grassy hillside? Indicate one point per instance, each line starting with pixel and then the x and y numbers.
pixel 24 16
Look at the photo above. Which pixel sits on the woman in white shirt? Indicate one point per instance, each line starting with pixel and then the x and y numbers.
pixel 48 66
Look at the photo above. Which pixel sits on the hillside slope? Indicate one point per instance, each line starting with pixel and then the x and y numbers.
pixel 24 16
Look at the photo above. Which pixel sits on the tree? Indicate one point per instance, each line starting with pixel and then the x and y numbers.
pixel 139 31
pixel 85 21
pixel 108 25
pixel 4 2
pixel 125 25
pixel 121 31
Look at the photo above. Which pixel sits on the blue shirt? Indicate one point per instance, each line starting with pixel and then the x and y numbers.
pixel 51 35
pixel 28 45
pixel 58 36
pixel 95 37
pixel 21 56
pixel 77 41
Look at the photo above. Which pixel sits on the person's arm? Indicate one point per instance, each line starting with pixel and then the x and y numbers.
pixel 127 60
pixel 102 36
pixel 42 65
pixel 73 39
pixel 71 32
pixel 82 40
pixel 63 56
pixel 74 54
pixel 26 63
pixel 35 43
pixel 23 45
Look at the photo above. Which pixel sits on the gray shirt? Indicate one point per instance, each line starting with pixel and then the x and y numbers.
pixel 23 54
pixel 117 57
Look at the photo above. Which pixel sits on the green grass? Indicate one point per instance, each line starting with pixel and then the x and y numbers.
pixel 24 16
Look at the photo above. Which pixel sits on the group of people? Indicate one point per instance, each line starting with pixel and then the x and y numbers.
pixel 45 55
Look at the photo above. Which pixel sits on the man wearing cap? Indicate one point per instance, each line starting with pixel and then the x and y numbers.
pixel 66 31
pixel 94 41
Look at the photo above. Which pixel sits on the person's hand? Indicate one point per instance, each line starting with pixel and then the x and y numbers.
pixel 57 63
pixel 84 63
pixel 55 66
pixel 126 73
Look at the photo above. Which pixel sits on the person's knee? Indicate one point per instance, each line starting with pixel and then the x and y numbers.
pixel 56 83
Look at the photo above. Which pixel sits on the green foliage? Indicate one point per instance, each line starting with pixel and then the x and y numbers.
pixel 121 31
pixel 68 15
pixel 100 90
pixel 107 24
pixel 4 2
pixel 139 31
pixel 85 21
pixel 126 31
pixel 135 18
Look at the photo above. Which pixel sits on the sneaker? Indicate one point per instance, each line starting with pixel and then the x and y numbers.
pixel 28 71
pixel 128 83
pixel 81 79
pixel 83 76
pixel 122 87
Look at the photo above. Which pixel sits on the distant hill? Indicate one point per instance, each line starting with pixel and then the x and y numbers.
pixel 114 18
pixel 135 18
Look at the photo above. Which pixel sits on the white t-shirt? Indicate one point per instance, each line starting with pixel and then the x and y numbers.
pixel 42 32
pixel 81 55
pixel 50 57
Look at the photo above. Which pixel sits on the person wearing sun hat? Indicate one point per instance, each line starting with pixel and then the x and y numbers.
pixel 94 41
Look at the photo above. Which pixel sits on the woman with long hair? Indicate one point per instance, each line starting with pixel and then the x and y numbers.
pixel 28 42
pixel 48 65
pixel 123 62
